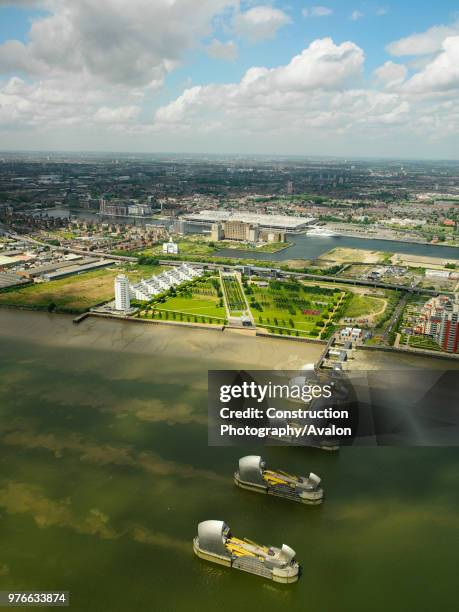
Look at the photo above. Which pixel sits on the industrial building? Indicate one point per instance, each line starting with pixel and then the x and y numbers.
pixel 272 236
pixel 240 230
pixel 9 279
pixel 71 270
pixel 247 232
pixel 272 222
pixel 216 232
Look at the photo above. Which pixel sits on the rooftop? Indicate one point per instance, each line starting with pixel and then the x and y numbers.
pixel 284 221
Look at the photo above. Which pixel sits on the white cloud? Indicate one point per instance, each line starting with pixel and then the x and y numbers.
pixel 382 10
pixel 442 73
pixel 260 22
pixel 318 97
pixel 320 67
pixel 317 11
pixel 391 74
pixel 43 105
pixel 225 51
pixel 423 43
pixel 355 15
pixel 89 70
pixel 24 3
pixel 131 43
pixel 92 63
pixel 120 114
pixel 49 104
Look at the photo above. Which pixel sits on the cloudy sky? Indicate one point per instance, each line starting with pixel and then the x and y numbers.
pixel 346 77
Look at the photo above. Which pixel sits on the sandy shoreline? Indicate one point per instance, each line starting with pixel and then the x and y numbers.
pixel 120 336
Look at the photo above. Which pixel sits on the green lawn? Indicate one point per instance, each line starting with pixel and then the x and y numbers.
pixel 363 305
pixel 199 301
pixel 186 247
pixel 197 247
pixel 75 293
pixel 194 305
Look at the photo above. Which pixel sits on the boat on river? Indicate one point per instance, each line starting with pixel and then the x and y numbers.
pixel 321 231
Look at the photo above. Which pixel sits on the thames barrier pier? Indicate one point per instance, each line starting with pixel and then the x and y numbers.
pixel 216 543
pixel 254 476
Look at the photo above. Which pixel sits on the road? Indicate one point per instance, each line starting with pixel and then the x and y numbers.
pixel 217 266
pixel 394 318
pixel 315 277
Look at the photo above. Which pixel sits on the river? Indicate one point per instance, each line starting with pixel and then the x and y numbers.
pixel 304 246
pixel 312 247
pixel 105 473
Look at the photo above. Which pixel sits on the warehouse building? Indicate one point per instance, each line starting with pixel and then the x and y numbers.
pixel 284 223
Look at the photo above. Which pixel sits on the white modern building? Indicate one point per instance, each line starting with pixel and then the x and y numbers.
pixel 122 293
pixel 353 334
pixel 146 289
pixel 170 248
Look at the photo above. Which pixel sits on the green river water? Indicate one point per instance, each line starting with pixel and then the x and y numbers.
pixel 105 473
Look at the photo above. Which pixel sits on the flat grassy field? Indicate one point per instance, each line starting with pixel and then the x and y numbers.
pixel 198 247
pixel 200 302
pixel 195 304
pixel 75 293
pixel 341 255
pixel 364 305
pixel 186 247
pixel 292 306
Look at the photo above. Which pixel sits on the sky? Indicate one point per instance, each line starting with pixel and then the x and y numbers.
pixel 347 78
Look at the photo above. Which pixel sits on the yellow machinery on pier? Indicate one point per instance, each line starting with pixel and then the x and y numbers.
pixel 254 475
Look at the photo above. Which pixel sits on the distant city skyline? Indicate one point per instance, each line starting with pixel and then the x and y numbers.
pixel 338 79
